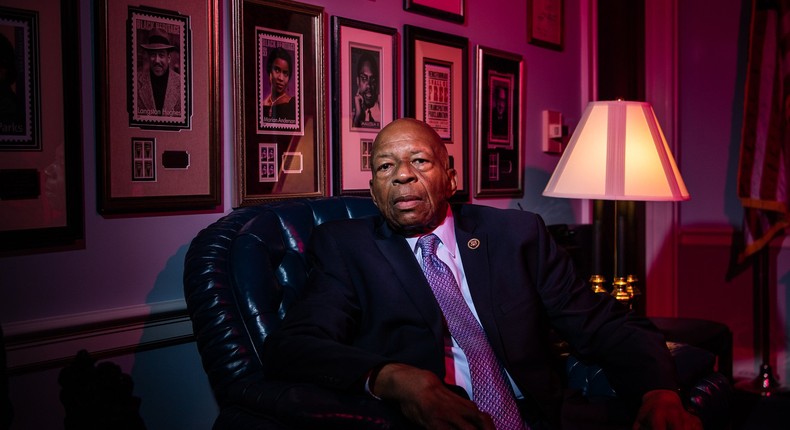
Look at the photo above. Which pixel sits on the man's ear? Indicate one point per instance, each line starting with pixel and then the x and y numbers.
pixel 453 183
pixel 372 194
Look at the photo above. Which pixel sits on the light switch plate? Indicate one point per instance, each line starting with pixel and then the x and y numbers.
pixel 552 142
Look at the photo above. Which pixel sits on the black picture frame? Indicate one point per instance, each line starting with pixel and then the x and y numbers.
pixel 546 23
pixel 275 162
pixel 442 100
pixel 41 194
pixel 353 136
pixel 498 142
pixel 438 10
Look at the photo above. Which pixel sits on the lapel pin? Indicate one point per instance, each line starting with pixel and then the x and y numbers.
pixel 473 243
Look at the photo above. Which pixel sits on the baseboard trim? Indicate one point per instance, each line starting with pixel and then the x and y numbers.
pixel 48 343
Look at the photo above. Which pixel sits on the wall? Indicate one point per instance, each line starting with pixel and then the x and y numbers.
pixel 129 274
pixel 712 58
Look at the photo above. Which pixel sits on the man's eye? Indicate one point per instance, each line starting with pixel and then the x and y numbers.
pixel 383 166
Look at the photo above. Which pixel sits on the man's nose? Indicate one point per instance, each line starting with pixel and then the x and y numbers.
pixel 404 174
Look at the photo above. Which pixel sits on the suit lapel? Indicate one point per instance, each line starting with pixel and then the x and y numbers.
pixel 406 268
pixel 473 246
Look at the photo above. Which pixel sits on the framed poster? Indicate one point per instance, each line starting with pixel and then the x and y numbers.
pixel 41 197
pixel 498 146
pixel 157 108
pixel 545 23
pixel 279 91
pixel 436 92
pixel 448 10
pixel 365 91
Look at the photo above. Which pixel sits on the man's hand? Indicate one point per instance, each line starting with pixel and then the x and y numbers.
pixel 359 109
pixel 424 399
pixel 663 409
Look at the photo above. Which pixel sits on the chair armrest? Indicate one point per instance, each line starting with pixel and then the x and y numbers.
pixel 706 393
pixel 301 405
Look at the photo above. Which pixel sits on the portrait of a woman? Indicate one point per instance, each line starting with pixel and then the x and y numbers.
pixel 279 104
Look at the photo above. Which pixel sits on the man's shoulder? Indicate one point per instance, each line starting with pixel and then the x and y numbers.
pixel 497 221
pixel 490 213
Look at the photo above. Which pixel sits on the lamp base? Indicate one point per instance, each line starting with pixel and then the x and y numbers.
pixel 765 384
pixel 623 288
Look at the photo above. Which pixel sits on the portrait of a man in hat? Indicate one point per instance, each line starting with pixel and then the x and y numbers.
pixel 158 83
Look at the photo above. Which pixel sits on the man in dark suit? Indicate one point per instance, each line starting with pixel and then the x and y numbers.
pixel 369 321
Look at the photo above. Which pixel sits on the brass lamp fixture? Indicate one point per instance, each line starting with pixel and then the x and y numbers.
pixel 617 152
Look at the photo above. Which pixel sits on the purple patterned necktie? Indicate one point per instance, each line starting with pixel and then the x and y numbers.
pixel 490 387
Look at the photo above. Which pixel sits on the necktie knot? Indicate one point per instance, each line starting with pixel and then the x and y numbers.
pixel 428 244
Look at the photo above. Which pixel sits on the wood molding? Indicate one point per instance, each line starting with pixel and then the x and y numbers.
pixel 53 342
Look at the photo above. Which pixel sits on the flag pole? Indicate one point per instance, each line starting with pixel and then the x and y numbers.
pixel 765 382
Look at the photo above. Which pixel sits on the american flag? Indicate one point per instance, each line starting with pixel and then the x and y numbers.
pixel 765 142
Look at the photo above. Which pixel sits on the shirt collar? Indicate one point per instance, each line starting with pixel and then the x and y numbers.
pixel 445 232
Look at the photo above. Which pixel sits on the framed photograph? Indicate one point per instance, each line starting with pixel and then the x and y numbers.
pixel 365 91
pixel 41 197
pixel 448 10
pixel 545 23
pixel 157 108
pixel 436 92
pixel 279 95
pixel 498 146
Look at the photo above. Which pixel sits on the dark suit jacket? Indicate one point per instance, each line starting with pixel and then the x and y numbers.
pixel 367 302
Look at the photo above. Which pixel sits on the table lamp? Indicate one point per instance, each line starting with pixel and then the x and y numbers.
pixel 617 152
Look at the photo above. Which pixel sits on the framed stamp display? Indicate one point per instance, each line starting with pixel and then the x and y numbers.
pixel 157 106
pixel 498 146
pixel 41 197
pixel 436 91
pixel 364 97
pixel 545 23
pixel 448 10
pixel 279 95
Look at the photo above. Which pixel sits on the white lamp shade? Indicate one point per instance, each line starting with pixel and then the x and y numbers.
pixel 618 152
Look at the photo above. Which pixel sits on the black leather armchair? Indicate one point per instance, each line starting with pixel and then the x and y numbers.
pixel 240 275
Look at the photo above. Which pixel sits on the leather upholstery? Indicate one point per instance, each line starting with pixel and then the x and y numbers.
pixel 240 275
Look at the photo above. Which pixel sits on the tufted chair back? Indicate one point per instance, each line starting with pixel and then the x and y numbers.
pixel 240 275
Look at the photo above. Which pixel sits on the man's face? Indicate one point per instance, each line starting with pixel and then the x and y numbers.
pixel 368 85
pixel 411 182
pixel 501 101
pixel 280 75
pixel 160 61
